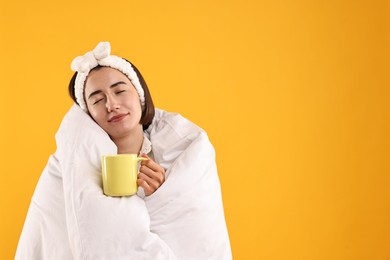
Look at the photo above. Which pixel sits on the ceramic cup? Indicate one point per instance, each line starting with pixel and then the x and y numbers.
pixel 120 172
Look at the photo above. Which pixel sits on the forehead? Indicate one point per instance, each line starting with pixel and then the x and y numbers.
pixel 104 77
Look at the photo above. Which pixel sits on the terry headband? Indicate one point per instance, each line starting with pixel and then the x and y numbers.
pixel 101 56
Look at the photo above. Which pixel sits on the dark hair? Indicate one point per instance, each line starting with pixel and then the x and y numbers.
pixel 148 111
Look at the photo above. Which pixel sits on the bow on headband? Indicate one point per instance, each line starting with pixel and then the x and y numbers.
pixel 101 56
pixel 83 64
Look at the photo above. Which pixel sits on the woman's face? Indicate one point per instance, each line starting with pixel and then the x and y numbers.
pixel 113 102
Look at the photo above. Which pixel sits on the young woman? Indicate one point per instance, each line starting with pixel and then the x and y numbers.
pixel 178 211
pixel 114 103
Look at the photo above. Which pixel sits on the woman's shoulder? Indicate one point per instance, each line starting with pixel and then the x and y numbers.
pixel 171 134
pixel 175 122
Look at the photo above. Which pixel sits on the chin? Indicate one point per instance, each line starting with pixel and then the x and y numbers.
pixel 121 131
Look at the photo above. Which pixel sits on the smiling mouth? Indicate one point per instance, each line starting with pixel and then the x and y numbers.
pixel 117 118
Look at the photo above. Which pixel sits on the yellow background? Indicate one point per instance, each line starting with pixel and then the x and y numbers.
pixel 294 96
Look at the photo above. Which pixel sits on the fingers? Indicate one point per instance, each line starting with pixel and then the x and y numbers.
pixel 151 164
pixel 151 176
pixel 147 189
pixel 153 179
pixel 149 184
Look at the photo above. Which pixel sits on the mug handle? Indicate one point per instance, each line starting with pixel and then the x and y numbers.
pixel 138 159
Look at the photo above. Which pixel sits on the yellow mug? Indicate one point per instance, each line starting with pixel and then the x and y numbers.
pixel 120 173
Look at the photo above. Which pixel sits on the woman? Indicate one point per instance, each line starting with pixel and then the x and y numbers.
pixel 177 213
pixel 114 103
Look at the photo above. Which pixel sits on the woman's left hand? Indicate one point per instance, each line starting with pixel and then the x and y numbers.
pixel 151 175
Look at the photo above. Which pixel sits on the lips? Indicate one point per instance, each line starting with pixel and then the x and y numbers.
pixel 117 118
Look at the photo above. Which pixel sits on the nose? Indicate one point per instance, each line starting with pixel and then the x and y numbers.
pixel 111 103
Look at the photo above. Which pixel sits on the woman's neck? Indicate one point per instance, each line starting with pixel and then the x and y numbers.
pixel 130 143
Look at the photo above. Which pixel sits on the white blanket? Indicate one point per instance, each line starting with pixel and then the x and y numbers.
pixel 70 217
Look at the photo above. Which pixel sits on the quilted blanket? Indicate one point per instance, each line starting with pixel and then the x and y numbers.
pixel 70 218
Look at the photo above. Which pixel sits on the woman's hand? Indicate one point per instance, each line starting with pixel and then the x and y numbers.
pixel 151 175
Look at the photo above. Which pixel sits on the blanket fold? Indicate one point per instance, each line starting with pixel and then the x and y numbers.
pixel 70 217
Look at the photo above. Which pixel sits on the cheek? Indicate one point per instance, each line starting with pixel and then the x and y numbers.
pixel 95 114
pixel 135 103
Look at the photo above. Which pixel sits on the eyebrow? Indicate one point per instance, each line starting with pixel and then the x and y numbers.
pixel 112 86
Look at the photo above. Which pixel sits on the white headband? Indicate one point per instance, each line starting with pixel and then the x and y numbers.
pixel 101 56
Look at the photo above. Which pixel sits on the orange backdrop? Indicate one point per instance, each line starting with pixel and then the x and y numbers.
pixel 294 95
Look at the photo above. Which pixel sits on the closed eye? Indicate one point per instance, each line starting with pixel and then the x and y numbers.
pixel 118 92
pixel 97 101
